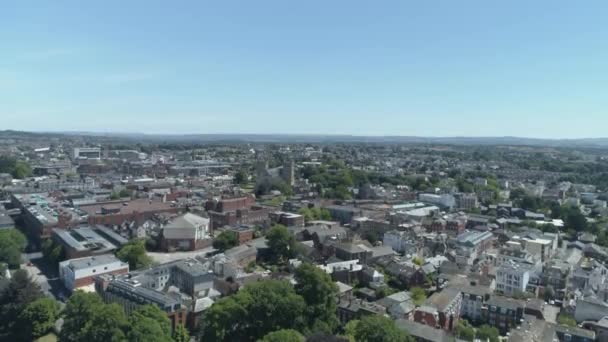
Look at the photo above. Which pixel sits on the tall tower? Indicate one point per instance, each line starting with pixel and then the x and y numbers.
pixel 288 173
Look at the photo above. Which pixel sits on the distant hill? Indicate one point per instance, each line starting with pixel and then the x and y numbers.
pixel 314 138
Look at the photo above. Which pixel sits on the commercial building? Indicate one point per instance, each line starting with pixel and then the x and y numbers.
pixel 80 273
pixel 512 277
pixel 87 241
pixel 399 241
pixel 444 200
pixel 87 153
pixel 287 219
pixel 229 204
pixel 253 215
pixel 470 245
pixel 466 201
pixel 187 232
pixel 119 212
pixel 41 213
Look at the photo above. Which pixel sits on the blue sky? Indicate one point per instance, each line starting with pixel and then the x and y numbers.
pixel 425 68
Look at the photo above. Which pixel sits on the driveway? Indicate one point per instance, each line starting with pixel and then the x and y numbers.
pixel 44 274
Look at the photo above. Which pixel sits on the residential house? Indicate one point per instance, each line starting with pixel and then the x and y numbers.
pixel 441 310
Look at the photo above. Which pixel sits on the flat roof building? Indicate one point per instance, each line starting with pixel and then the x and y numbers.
pixel 80 273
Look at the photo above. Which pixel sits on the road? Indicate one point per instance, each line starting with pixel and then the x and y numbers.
pixel 44 274
pixel 163 258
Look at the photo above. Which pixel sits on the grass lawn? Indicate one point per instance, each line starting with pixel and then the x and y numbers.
pixel 48 338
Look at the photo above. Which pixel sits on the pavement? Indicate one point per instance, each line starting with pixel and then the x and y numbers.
pixel 163 258
pixel 550 313
pixel 45 275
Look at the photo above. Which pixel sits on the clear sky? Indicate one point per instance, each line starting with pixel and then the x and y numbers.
pixel 427 68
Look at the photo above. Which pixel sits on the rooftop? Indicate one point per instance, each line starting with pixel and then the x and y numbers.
pixel 84 238
pixel 125 207
pixel 98 260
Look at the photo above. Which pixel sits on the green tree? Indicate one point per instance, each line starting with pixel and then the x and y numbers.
pixel 108 323
pixel 465 331
pixel 38 318
pixel 149 323
pixel 376 328
pixel 22 170
pixel 307 213
pixel 240 177
pixel 284 335
pixel 78 311
pixel 14 298
pixel 52 251
pixel 565 319
pixel 12 244
pixel 486 332
pixel 134 253
pixel 180 334
pixel 124 193
pixel 256 310
pixel 281 243
pixel 418 295
pixel 225 240
pixel 574 219
pixel 418 261
pixel 319 293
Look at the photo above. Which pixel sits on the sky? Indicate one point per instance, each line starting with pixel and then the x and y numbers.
pixel 413 68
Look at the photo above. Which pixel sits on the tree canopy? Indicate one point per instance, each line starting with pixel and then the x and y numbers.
pixel 87 318
pixel 376 328
pixel 12 244
pixel 281 243
pixel 134 253
pixel 14 298
pixel 225 240
pixel 418 295
pixel 38 318
pixel 486 332
pixel 253 312
pixel 284 335
pixel 79 310
pixel 149 324
pixel 17 168
pixel 314 213
pixel 319 293
pixel 180 334
pixel 465 331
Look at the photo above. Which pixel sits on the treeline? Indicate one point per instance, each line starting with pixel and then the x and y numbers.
pixel 275 310
pixel 17 168
pixel 27 314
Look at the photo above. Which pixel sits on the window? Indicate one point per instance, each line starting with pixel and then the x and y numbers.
pixel 105 268
pixel 93 270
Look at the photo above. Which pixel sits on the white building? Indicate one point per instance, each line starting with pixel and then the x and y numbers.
pixel 186 232
pixel 444 200
pixel 512 277
pixel 399 241
pixel 79 273
pixel 87 153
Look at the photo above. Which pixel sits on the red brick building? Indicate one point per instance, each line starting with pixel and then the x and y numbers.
pixel 441 310
pixel 230 204
pixel 118 212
